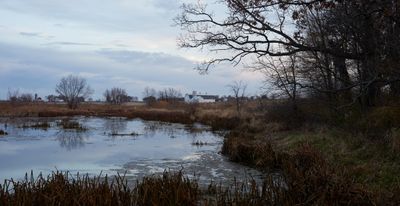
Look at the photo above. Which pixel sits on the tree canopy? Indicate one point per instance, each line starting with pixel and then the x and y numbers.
pixel 348 50
pixel 73 90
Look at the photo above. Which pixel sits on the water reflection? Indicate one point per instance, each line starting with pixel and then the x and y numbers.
pixel 195 149
pixel 115 125
pixel 71 140
pixel 151 128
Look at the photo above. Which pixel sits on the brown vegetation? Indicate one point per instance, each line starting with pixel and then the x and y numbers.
pixel 323 160
pixel 168 189
pixel 329 160
pixel 63 189
pixel 70 124
pixel 3 132
pixel 38 125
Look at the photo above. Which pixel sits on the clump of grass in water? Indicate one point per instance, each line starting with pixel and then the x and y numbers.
pixel 70 124
pixel 123 134
pixel 39 125
pixel 199 143
pixel 2 132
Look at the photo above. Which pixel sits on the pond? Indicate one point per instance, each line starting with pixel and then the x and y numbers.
pixel 114 145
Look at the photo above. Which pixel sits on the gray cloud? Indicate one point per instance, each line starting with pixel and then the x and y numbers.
pixel 107 15
pixel 168 6
pixel 67 43
pixel 29 34
pixel 38 70
pixel 63 44
pixel 36 35
pixel 126 56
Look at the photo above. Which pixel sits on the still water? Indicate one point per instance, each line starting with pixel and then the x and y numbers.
pixel 114 145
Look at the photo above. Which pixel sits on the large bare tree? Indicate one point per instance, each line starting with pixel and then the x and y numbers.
pixel 349 49
pixel 282 74
pixel 73 90
pixel 251 28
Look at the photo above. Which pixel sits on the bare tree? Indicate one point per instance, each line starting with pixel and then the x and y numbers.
pixel 15 96
pixel 73 90
pixel 149 96
pixel 250 28
pixel 149 92
pixel 116 96
pixel 238 88
pixel 26 97
pixel 283 73
pixel 350 48
pixel 12 95
pixel 169 94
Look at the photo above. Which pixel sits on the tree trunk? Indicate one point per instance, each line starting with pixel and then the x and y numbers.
pixel 344 78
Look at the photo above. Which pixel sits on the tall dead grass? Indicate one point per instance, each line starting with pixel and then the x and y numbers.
pixel 306 180
pixel 309 179
pixel 169 189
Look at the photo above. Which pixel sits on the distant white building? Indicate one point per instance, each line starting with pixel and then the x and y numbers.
pixel 198 98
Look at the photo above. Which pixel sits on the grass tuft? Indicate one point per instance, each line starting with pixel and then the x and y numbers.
pixel 70 124
pixel 2 132
pixel 39 125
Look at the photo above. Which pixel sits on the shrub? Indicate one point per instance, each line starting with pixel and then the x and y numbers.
pixel 379 122
pixel 286 114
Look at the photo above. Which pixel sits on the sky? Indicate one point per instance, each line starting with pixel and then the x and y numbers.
pixel 131 44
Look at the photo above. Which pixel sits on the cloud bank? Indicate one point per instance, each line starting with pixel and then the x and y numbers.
pixel 128 44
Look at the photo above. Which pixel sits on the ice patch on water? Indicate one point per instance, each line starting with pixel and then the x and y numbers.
pixel 155 169
pixel 193 157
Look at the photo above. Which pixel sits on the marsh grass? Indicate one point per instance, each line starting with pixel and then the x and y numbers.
pixel 309 179
pixel 124 134
pixel 68 124
pixel 167 189
pixel 200 143
pixel 303 183
pixel 2 132
pixel 345 160
pixel 38 125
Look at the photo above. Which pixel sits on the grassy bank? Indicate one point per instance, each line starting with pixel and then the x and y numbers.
pixel 351 160
pixel 356 159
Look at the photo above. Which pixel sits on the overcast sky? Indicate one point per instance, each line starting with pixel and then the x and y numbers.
pixel 112 43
